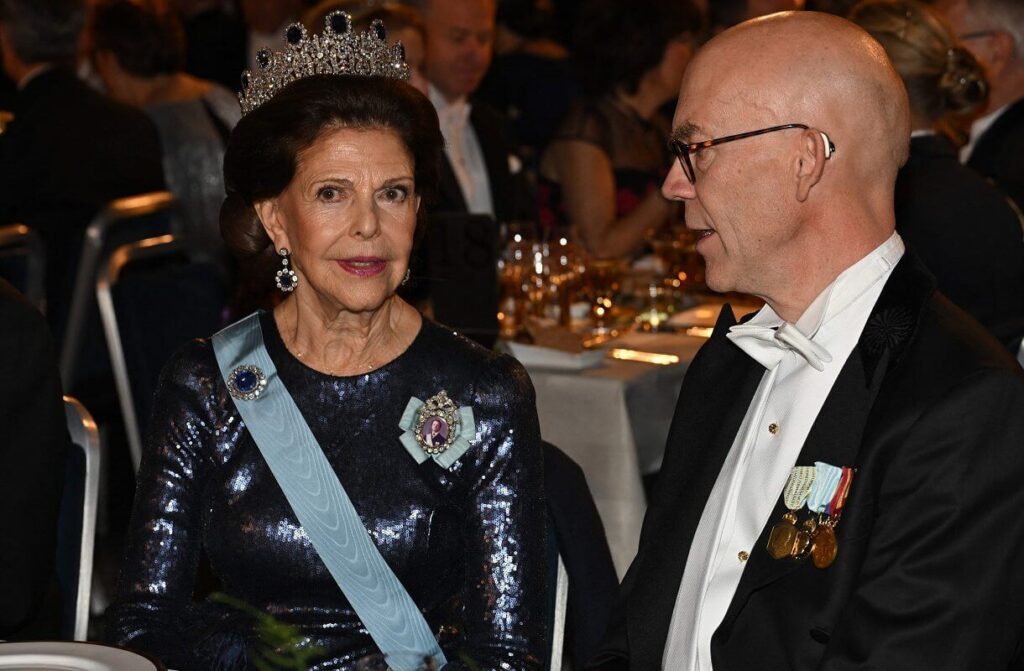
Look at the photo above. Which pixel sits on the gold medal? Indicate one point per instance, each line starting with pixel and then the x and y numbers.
pixel 804 539
pixel 826 547
pixel 783 537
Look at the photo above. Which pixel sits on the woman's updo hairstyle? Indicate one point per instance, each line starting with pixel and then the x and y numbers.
pixel 942 78
pixel 264 148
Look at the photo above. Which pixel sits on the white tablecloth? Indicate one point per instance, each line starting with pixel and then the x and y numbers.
pixel 613 421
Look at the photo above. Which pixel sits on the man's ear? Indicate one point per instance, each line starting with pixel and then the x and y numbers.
pixel 269 213
pixel 1002 50
pixel 811 163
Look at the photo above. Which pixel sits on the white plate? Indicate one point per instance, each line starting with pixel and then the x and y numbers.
pixel 532 356
pixel 68 656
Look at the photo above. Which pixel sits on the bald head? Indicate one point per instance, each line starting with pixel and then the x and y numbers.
pixel 785 216
pixel 815 69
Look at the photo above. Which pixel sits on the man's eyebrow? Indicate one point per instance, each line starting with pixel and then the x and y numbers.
pixel 685 132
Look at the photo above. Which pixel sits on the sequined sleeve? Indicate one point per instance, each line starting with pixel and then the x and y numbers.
pixel 506 595
pixel 153 603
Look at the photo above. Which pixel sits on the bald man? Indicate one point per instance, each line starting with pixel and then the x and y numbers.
pixel 842 486
pixel 993 30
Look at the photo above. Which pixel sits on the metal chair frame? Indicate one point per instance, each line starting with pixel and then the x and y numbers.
pixel 561 607
pixel 92 248
pixel 108 276
pixel 85 435
pixel 20 239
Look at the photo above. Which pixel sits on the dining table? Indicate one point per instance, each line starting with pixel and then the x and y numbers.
pixel 613 418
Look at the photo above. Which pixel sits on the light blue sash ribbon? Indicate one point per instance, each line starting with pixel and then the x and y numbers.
pixel 324 508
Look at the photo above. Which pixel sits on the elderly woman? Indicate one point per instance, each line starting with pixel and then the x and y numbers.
pixel 291 447
pixel 965 230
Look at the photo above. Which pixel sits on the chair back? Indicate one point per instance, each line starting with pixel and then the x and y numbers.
pixel 581 563
pixel 154 295
pixel 560 611
pixel 124 220
pixel 23 262
pixel 78 519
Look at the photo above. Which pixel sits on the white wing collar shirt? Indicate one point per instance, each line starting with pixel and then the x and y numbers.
pixel 802 362
pixel 464 153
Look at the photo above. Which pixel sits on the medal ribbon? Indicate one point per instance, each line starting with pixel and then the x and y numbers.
pixel 801 478
pixel 835 506
pixel 826 481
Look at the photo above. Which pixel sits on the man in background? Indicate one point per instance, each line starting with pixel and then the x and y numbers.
pixel 69 150
pixel 993 30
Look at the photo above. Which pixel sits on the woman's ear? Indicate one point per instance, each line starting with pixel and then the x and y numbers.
pixel 269 214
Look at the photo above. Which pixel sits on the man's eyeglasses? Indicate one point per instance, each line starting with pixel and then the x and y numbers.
pixel 977 35
pixel 684 150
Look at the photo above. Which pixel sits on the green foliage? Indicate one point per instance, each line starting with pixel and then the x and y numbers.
pixel 281 647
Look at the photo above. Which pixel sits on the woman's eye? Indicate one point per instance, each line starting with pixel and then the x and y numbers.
pixel 327 193
pixel 395 194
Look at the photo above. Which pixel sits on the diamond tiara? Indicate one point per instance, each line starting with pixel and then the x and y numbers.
pixel 339 50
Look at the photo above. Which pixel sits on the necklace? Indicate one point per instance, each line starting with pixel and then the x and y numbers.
pixel 372 364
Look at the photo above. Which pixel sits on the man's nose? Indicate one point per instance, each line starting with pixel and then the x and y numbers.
pixel 677 186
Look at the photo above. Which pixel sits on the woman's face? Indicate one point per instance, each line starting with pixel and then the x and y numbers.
pixel 348 217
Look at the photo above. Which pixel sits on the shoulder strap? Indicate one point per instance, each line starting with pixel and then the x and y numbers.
pixel 323 507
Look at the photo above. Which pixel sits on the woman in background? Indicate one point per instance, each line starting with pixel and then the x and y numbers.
pixel 138 50
pixel 964 229
pixel 602 173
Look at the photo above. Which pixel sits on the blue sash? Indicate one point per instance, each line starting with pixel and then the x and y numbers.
pixel 322 506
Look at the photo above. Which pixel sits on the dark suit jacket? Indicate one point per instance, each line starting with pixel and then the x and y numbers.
pixel 966 233
pixel 930 410
pixel 508 192
pixel 68 152
pixel 997 153
pixel 33 447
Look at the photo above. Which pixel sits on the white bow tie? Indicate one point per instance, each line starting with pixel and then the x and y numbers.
pixel 767 345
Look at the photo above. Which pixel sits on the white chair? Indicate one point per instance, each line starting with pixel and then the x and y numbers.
pixel 85 436
pixel 184 285
pixel 96 242
pixel 561 604
pixel 20 240
pixel 106 278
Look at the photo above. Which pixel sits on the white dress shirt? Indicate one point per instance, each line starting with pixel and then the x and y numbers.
pixel 765 449
pixel 464 153
pixel 978 129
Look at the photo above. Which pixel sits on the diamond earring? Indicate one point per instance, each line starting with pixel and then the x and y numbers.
pixel 286 278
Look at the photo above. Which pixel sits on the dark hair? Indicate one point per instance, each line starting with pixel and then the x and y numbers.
pixel 146 37
pixel 941 77
pixel 618 41
pixel 43 31
pixel 263 150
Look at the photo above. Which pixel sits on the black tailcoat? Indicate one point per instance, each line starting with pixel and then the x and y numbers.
pixel 999 152
pixel 930 411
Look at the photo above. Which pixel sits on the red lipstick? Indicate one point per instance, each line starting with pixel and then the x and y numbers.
pixel 363 266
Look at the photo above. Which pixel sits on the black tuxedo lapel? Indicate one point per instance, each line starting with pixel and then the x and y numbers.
pixel 712 403
pixel 450 193
pixel 494 145
pixel 837 435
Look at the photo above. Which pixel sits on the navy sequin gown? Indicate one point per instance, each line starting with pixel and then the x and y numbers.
pixel 468 543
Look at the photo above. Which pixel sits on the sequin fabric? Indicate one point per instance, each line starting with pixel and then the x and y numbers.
pixel 468 543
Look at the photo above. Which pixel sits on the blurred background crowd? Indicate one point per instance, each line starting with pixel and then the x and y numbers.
pixel 555 115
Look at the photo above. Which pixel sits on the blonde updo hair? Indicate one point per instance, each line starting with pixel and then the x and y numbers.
pixel 942 78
